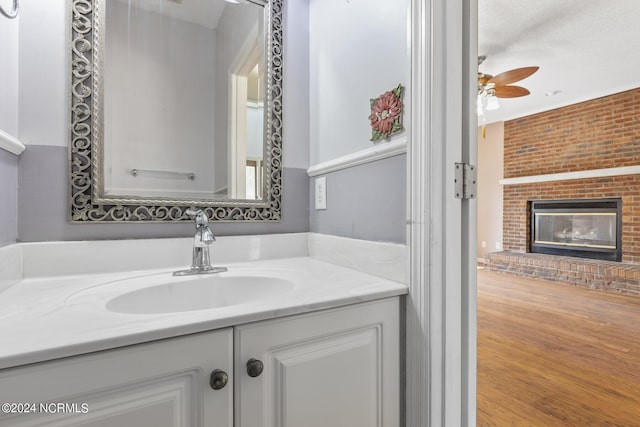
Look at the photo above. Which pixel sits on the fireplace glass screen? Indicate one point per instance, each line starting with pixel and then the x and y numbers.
pixel 585 229
pixel 588 228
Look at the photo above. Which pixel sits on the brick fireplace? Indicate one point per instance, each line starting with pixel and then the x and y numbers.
pixel 600 134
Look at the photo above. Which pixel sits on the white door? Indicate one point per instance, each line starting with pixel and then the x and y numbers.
pixel 337 368
pixel 441 307
pixel 160 384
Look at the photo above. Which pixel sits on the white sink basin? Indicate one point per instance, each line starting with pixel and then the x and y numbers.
pixel 198 293
pixel 164 293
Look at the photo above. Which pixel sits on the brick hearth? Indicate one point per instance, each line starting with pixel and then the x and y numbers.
pixel 610 276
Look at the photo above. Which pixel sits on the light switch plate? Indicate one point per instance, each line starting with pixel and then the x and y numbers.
pixel 321 193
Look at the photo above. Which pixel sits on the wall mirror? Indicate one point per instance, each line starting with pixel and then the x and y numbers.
pixel 176 103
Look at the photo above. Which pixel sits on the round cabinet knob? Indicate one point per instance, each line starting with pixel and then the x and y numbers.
pixel 219 379
pixel 254 368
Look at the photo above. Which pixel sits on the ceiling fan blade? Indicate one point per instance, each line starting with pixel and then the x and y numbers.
pixel 511 91
pixel 513 76
pixel 483 79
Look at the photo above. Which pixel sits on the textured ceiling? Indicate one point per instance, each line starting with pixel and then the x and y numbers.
pixel 586 49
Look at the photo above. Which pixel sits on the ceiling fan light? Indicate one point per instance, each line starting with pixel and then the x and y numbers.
pixel 492 103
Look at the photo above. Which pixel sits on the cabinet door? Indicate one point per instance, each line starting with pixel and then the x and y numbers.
pixel 164 383
pixel 337 368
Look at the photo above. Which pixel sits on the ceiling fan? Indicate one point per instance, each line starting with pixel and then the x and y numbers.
pixel 490 88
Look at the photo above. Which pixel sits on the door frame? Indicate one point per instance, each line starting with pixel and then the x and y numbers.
pixel 441 306
pixel 250 54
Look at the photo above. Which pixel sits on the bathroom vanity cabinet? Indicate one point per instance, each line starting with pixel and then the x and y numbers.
pixel 158 384
pixel 334 368
pixel 337 367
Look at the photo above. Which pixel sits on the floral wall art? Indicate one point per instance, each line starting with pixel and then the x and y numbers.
pixel 386 114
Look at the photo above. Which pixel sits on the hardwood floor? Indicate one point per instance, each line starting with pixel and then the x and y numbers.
pixel 556 355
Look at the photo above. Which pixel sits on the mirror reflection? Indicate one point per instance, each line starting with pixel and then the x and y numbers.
pixel 184 85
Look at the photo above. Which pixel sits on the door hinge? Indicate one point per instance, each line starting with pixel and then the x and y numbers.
pixel 466 181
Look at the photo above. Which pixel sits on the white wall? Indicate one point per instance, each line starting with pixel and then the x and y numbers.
pixel 490 172
pixel 44 72
pixel 359 51
pixel 152 121
pixel 9 74
pixel 295 95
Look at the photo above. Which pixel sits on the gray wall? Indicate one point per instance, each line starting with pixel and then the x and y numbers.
pixel 364 202
pixel 8 197
pixel 43 206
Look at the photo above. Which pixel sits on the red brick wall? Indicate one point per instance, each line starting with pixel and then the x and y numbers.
pixel 596 134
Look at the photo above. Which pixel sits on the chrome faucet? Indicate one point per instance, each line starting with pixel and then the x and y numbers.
pixel 201 263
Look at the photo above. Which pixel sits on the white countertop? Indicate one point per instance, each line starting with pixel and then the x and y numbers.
pixel 41 318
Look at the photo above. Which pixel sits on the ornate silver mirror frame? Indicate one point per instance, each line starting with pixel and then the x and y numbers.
pixel 87 200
